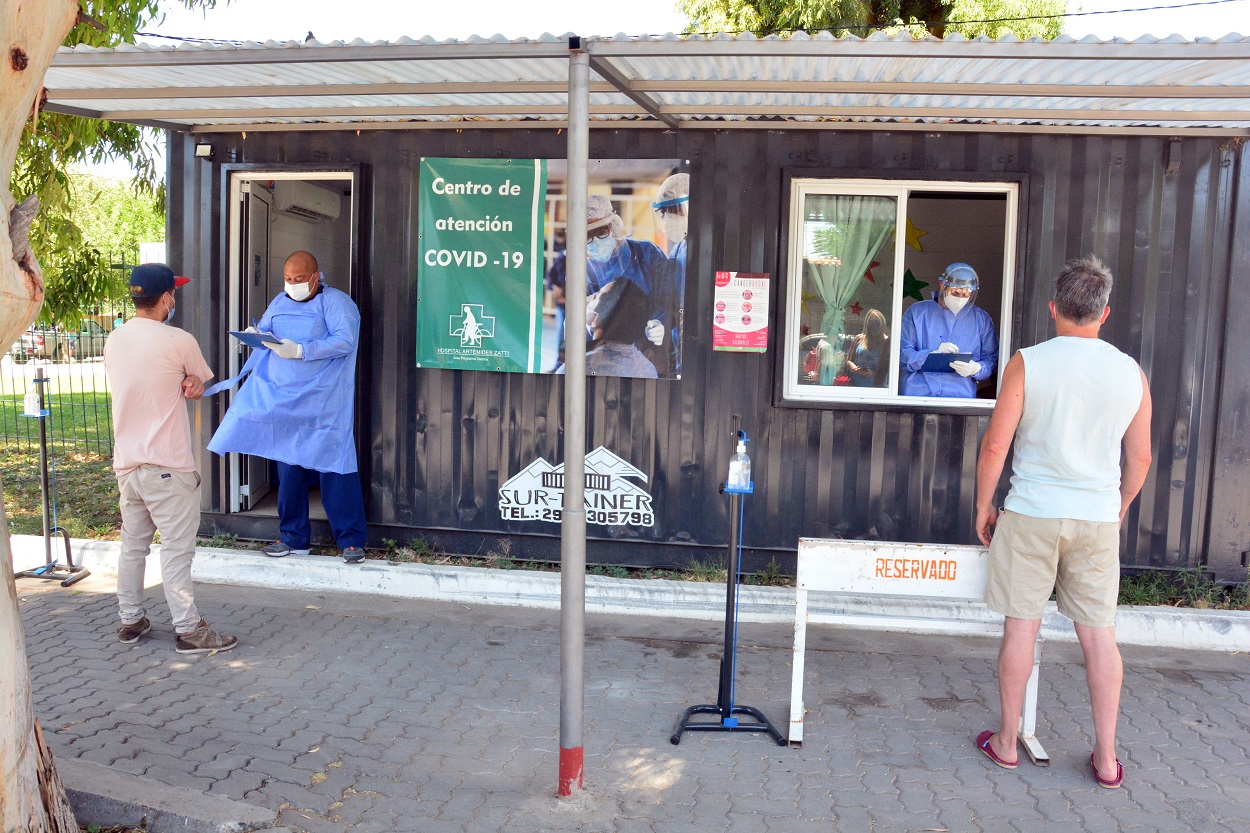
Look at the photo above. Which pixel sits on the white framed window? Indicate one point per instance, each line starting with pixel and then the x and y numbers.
pixel 862 309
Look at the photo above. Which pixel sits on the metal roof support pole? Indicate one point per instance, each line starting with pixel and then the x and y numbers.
pixel 573 521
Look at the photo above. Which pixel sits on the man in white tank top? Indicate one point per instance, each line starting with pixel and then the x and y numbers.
pixel 1071 405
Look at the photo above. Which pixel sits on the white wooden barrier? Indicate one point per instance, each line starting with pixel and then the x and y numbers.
pixel 879 568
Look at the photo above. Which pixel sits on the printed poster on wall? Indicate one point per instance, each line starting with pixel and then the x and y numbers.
pixel 636 216
pixel 740 312
pixel 491 267
pixel 480 263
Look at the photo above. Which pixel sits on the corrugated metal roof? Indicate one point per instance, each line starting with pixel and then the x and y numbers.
pixel 1142 86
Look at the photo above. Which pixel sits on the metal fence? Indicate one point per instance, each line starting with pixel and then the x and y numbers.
pixel 76 394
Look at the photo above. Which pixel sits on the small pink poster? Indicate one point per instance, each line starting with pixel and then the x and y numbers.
pixel 740 312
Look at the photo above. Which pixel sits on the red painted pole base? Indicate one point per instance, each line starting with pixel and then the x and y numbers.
pixel 570 771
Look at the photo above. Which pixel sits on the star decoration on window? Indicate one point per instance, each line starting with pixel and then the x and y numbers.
pixel 868 272
pixel 913 287
pixel 855 308
pixel 913 236
pixel 806 296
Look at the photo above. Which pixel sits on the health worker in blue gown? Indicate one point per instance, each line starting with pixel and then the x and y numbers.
pixel 948 324
pixel 610 255
pixel 297 406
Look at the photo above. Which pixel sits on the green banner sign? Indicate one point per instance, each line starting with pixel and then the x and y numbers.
pixel 480 266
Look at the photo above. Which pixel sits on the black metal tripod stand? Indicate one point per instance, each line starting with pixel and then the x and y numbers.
pixel 51 570
pixel 725 709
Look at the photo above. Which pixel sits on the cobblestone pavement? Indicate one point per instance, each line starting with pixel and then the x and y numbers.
pixel 348 712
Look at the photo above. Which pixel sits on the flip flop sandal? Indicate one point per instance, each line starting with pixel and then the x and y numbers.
pixel 1108 783
pixel 983 743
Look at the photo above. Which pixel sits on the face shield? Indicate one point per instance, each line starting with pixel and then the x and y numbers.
pixel 958 286
pixel 671 207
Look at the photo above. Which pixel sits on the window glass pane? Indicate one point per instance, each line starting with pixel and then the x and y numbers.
pixel 945 229
pixel 847 290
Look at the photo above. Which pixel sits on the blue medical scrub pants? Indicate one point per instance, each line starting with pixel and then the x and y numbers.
pixel 340 495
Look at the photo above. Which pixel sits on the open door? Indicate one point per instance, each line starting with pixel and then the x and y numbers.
pixel 272 214
pixel 257 289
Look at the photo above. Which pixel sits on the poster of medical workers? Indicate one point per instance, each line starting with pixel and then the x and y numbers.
pixel 491 272
pixel 636 215
pixel 480 263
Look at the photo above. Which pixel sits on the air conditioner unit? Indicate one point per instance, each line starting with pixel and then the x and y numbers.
pixel 305 200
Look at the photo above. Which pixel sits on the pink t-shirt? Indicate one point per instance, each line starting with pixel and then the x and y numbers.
pixel 146 362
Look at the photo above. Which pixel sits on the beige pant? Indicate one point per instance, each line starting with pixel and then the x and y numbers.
pixel 1078 560
pixel 155 498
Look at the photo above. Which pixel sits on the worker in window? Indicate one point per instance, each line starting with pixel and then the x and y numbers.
pixel 950 325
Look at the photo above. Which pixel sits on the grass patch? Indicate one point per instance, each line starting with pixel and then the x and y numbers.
pixel 84 487
pixel 713 570
pixel 770 576
pixel 1183 588
pixel 80 419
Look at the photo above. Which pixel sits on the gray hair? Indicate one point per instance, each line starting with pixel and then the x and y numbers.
pixel 1082 290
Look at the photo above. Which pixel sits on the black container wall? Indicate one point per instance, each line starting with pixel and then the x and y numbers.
pixel 436 445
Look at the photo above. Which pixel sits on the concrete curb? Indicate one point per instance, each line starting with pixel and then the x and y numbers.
pixel 104 796
pixel 1160 627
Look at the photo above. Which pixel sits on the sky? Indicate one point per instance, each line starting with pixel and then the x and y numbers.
pixel 262 20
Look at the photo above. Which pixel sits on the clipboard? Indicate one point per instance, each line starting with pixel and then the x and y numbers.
pixel 256 340
pixel 941 362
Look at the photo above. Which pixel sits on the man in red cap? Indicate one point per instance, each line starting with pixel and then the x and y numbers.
pixel 152 368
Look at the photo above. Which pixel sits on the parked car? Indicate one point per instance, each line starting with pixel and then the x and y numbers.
pixel 55 344
pixel 87 342
pixel 38 343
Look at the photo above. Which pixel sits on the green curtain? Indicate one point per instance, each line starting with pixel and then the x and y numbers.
pixel 842 247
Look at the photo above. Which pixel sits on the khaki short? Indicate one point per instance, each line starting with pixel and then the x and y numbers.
pixel 1079 560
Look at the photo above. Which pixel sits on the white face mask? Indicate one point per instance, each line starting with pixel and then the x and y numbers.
pixel 298 291
pixel 955 304
pixel 601 248
pixel 674 226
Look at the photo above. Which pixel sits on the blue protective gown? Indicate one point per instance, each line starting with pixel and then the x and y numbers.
pixel 643 263
pixel 925 326
pixel 300 411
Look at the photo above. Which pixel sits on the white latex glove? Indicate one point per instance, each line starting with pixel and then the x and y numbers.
pixel 655 332
pixel 287 349
pixel 947 347
pixel 965 369
pixel 251 330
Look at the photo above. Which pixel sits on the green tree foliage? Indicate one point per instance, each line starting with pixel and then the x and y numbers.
pixel 859 17
pixel 114 219
pixel 76 273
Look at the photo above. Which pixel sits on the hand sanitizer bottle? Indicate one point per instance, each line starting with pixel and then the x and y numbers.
pixel 739 467
pixel 30 405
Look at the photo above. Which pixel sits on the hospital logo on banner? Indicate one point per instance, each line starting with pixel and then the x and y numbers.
pixel 536 493
pixel 472 325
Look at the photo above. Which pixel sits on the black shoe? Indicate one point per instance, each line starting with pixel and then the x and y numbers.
pixel 353 555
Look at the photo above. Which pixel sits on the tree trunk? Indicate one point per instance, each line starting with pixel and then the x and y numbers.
pixel 30 31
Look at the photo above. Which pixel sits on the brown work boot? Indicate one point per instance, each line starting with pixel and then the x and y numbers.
pixel 131 633
pixel 203 639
